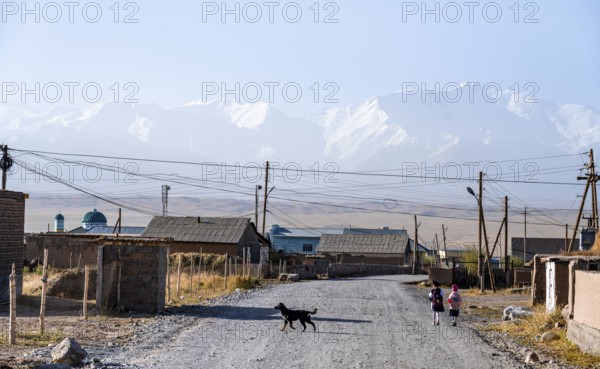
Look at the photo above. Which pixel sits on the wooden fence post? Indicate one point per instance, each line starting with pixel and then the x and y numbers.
pixel 86 286
pixel 43 299
pixel 12 328
pixel 168 278
pixel 192 274
pixel 225 271
pixel 178 273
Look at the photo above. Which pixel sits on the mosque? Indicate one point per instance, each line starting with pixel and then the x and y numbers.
pixel 93 222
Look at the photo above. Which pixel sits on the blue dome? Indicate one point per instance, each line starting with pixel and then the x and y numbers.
pixel 94 216
pixel 59 216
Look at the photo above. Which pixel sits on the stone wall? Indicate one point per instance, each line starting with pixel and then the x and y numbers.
pixel 12 229
pixel 132 278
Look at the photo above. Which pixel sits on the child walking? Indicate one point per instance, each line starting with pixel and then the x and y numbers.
pixel 454 300
pixel 436 296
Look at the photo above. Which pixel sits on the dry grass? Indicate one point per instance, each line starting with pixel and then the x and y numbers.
pixel 205 286
pixel 529 330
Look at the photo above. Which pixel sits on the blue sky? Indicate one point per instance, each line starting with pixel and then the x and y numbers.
pixel 170 52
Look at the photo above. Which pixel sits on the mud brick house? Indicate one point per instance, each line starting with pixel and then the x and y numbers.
pixel 208 235
pixel 12 228
pixel 365 248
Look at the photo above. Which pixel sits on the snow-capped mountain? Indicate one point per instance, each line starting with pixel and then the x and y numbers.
pixel 376 133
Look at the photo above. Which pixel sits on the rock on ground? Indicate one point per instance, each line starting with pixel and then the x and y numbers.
pixel 68 352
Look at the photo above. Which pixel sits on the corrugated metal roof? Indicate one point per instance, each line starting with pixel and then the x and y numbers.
pixel 363 244
pixel 198 229
pixel 303 232
pixel 136 231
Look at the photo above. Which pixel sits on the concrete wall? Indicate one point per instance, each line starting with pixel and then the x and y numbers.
pixel 12 229
pixel 584 329
pixel 63 250
pixel 538 281
pixel 587 298
pixel 557 284
pixel 132 277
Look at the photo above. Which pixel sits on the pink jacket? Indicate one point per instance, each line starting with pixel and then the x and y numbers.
pixel 454 300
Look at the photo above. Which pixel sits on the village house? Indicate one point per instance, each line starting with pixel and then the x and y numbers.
pixel 365 248
pixel 209 235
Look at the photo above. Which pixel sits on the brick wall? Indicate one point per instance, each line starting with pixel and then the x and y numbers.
pixel 133 277
pixel 12 228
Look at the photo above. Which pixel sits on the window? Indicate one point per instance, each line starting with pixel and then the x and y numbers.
pixel 307 247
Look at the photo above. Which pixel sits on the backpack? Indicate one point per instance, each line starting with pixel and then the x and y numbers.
pixel 437 298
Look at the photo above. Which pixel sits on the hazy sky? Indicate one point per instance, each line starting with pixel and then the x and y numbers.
pixel 175 49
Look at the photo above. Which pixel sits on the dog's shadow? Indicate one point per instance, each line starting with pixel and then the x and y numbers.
pixel 251 313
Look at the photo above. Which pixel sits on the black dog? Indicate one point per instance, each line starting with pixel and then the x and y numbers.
pixel 292 315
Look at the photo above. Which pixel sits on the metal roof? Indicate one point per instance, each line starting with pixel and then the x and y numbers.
pixel 303 232
pixel 363 243
pixel 198 229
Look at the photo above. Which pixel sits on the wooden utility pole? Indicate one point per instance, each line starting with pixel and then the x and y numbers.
pixel 416 243
pixel 506 261
pixel 5 164
pixel 12 324
pixel 480 256
pixel 590 179
pixel 566 237
pixel 525 237
pixel 592 168
pixel 43 298
pixel 437 247
pixel 444 229
pixel 265 200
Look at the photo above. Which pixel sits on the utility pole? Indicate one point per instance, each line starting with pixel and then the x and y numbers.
pixel 165 200
pixel 591 180
pixel 265 200
pixel 566 236
pixel 5 164
pixel 416 243
pixel 444 229
pixel 437 246
pixel 506 261
pixel 258 187
pixel 480 257
pixel 525 238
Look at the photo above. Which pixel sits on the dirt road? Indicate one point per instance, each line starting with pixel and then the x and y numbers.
pixel 372 322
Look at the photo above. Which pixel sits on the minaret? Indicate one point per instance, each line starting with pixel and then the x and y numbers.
pixel 59 223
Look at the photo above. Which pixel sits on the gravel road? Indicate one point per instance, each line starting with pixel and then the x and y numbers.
pixel 371 322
